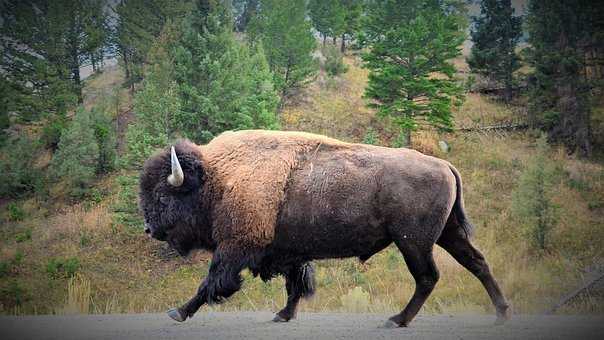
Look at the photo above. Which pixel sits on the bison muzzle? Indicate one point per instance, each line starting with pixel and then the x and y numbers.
pixel 272 202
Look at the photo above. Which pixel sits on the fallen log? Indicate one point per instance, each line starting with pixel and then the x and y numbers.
pixel 504 127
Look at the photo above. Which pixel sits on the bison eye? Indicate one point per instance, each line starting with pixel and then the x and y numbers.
pixel 164 200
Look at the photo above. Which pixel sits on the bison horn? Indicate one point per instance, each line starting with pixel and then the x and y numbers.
pixel 177 176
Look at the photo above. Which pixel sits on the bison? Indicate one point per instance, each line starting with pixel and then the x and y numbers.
pixel 273 201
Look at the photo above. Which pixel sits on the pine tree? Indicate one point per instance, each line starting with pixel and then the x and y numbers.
pixel 288 42
pixel 352 20
pixel 560 92
pixel 495 34
pixel 139 23
pixel 33 63
pixel 411 78
pixel 157 104
pixel 223 83
pixel 532 199
pixel 328 18
pixel 76 161
pixel 317 11
pixel 106 139
pixel 97 31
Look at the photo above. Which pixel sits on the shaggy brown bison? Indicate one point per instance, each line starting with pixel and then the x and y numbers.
pixel 274 201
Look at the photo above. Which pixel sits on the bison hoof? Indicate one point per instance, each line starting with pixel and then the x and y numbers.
pixel 279 318
pixel 175 314
pixel 503 316
pixel 395 322
pixel 392 324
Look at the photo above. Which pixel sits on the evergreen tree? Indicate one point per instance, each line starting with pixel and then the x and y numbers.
pixel 97 31
pixel 411 78
pixel 157 104
pixel 77 158
pixel 33 64
pixel 5 108
pixel 532 199
pixel 105 134
pixel 560 91
pixel 328 18
pixel 317 11
pixel 352 20
pixel 139 23
pixel 288 42
pixel 495 34
pixel 223 84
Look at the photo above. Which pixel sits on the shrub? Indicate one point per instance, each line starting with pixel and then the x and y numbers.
pixel 85 239
pixel 23 236
pixel 77 158
pixel 334 62
pixel 13 294
pixel 401 140
pixel 106 140
pixel 52 131
pixel 63 268
pixel 15 212
pixel 125 210
pixel 17 166
pixel 4 268
pixel 531 200
pixel 371 137
pixel 12 266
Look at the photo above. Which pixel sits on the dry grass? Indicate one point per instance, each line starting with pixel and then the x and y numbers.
pixel 101 86
pixel 333 108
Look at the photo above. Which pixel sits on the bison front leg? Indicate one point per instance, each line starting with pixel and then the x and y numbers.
pixel 299 282
pixel 223 280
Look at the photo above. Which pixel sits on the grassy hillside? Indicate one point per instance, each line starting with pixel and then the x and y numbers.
pixel 62 258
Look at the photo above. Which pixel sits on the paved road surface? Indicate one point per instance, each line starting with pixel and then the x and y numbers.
pixel 257 325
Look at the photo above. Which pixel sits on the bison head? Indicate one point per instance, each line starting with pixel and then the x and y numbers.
pixel 171 198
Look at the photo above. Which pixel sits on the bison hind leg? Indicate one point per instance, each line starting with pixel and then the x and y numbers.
pixel 456 242
pixel 299 283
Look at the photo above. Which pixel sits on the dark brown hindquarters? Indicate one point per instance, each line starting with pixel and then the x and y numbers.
pixel 455 239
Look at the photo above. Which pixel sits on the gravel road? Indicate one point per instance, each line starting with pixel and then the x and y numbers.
pixel 257 325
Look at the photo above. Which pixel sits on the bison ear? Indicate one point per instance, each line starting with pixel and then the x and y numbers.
pixel 186 170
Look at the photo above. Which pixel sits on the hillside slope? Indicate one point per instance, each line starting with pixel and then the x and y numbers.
pixel 64 258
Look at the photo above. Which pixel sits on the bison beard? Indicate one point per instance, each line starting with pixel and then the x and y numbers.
pixel 274 201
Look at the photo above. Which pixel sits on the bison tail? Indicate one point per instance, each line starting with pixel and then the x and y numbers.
pixel 458 211
pixel 306 280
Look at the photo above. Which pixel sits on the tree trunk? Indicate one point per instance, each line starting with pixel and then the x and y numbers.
pixel 73 61
pixel 74 68
pixel 334 40
pixel 508 91
pixel 343 45
pixel 573 127
pixel 93 62
pixel 407 138
pixel 324 38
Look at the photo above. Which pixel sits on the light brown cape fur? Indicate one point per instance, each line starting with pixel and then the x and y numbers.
pixel 249 170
